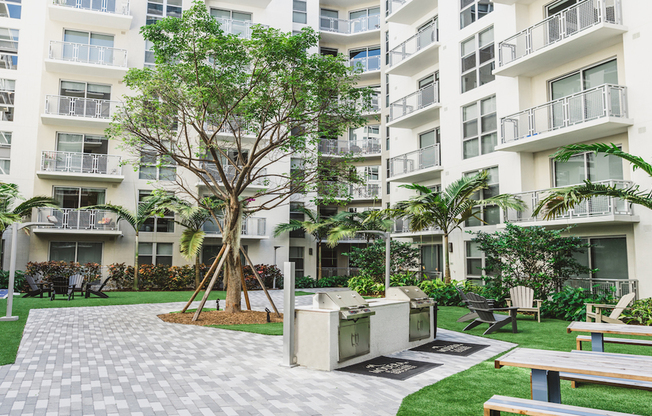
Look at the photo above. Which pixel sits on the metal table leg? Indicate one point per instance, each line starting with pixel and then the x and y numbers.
pixel 597 341
pixel 546 386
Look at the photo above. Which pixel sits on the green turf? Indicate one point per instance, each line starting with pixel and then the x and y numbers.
pixel 464 393
pixel 272 328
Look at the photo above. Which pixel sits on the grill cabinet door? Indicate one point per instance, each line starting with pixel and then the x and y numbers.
pixel 347 340
pixel 362 335
pixel 419 324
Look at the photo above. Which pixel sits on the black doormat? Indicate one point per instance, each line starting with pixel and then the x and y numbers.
pixel 451 348
pixel 390 367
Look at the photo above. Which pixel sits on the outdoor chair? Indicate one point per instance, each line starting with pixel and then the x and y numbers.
pixel 95 288
pixel 471 314
pixel 486 314
pixel 76 281
pixel 61 286
pixel 36 288
pixel 523 298
pixel 594 310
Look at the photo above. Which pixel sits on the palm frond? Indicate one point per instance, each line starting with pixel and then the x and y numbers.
pixel 122 213
pixel 25 207
pixel 191 242
pixel 568 151
pixel 293 225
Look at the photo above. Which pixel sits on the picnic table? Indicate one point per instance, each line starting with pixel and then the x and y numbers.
pixel 598 330
pixel 546 366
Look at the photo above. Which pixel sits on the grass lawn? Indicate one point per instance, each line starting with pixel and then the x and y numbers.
pixel 272 328
pixel 464 393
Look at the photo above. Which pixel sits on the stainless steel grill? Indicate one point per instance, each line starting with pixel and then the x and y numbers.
pixel 354 329
pixel 420 305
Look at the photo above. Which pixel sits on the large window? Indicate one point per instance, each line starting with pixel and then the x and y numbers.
pixel 7 93
pixel 472 10
pixel 82 143
pixel 81 252
pixel 429 140
pixel 157 10
pixel 297 215
pixel 163 224
pixel 296 257
pixel 100 46
pixel 231 21
pixel 475 262
pixel 85 90
pixel 10 8
pixel 74 197
pixel 156 167
pixel 587 166
pixel 299 11
pixel 5 152
pixel 8 48
pixel 479 127
pixel 366 58
pixel 608 255
pixel 155 253
pixel 478 60
pixel 584 79
pixel 490 214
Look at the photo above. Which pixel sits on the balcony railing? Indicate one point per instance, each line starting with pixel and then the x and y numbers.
pixel 417 160
pixel 393 5
pixel 79 107
pixel 426 36
pixel 347 27
pixel 604 101
pixel 423 98
pixel 368 191
pixel 594 207
pixel 79 219
pixel 82 163
pixel 105 6
pixel 368 64
pixel 231 173
pixel 349 147
pixel 237 27
pixel 617 287
pixel 339 271
pixel 87 54
pixel 558 27
pixel 402 226
pixel 251 226
pixel 239 126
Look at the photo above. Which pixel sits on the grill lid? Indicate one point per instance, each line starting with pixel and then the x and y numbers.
pixel 413 294
pixel 337 301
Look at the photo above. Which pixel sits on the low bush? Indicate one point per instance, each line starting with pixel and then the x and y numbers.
pixel 267 273
pixel 569 303
pixel 333 281
pixel 48 270
pixel 445 294
pixel 640 313
pixel 304 282
pixel 19 280
pixel 366 285
pixel 155 277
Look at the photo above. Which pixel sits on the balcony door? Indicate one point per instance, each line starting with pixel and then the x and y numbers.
pixel 431 264
pixel 428 154
pixel 72 198
pixel 360 24
pixel 233 22
pixel 367 58
pixel 94 48
pixel 82 153
pixel 428 89
pixel 84 99
pixel 329 20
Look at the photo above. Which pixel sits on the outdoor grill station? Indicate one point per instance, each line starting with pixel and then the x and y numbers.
pixel 342 328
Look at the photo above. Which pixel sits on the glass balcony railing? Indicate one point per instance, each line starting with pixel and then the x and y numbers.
pixel 87 54
pixel 348 27
pixel 251 226
pixel 82 163
pixel 367 64
pixel 393 5
pixel 237 27
pixel 426 36
pixel 368 191
pixel 402 226
pixel 415 161
pixel 79 219
pixel 425 97
pixel 349 147
pixel 105 6
pixel 80 107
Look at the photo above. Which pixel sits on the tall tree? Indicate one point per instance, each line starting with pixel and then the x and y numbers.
pixel 448 209
pixel 347 224
pixel 269 94
pixel 559 201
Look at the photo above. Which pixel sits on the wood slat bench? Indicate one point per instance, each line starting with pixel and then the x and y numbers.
pixel 497 404
pixel 587 338
pixel 608 381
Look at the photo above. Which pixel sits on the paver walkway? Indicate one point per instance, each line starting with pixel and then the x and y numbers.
pixel 123 360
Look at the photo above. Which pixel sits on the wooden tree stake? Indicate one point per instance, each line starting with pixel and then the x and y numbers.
pixel 211 284
pixel 253 269
pixel 244 287
pixel 210 271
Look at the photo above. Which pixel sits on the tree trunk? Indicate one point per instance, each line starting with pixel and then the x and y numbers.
pixel 136 264
pixel 231 235
pixel 319 259
pixel 447 266
pixel 197 281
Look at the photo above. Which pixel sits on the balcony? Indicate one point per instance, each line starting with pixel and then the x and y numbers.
pixel 227 130
pixel 416 166
pixel 401 229
pixel 80 166
pixel 368 147
pixel 78 221
pixel 75 111
pixel 416 109
pixel 585 28
pixel 258 183
pixel 370 67
pixel 262 4
pixel 417 53
pixel 363 29
pixel 591 114
pixel 599 210
pixel 237 27
pixel 364 192
pixel 110 14
pixel 81 59
pixel 613 287
pixel 339 271
pixel 253 228
pixel 408 11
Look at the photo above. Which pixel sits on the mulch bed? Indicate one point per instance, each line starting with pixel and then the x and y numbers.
pixel 221 318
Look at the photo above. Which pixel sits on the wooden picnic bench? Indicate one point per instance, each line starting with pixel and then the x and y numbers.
pixel 497 404
pixel 598 330
pixel 608 381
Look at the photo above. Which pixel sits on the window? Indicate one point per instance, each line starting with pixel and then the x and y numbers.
pixel 387 174
pixel 387 133
pixel 427 86
pixel 297 215
pixel 478 60
pixel 558 6
pixel 155 253
pixel 100 50
pixel 5 152
pixel 328 51
pixel 157 10
pixel 296 257
pixel 479 127
pixel 164 224
pixel 328 257
pixel 82 143
pixel 584 79
pixel 156 167
pixel 587 166
pixel 490 215
pixel 608 255
pixel 475 262
pixel 431 261
pixel 10 8
pixel 387 58
pixel 85 90
pixel 299 9
pixel 237 23
pixel 366 19
pixel 430 155
pixel 359 136
pixel 81 252
pixel 8 47
pixel 371 173
pixel 366 58
pixel 473 10
pixel 73 197
pixel 7 92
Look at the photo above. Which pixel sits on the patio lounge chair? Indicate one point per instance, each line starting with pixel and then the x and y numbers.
pixel 95 288
pixel 76 281
pixel 486 314
pixel 36 288
pixel 523 298
pixel 471 315
pixel 594 310
pixel 61 286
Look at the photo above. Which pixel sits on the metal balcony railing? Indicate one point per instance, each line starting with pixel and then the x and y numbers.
pixel 368 64
pixel 251 226
pixel 603 101
pixel 368 191
pixel 105 6
pixel 80 107
pixel 594 207
pixel 393 5
pixel 347 27
pixel 240 127
pixel 423 98
pixel 426 36
pixel 82 163
pixel 415 161
pixel 237 27
pixel 79 219
pixel 231 173
pixel 558 27
pixel 402 226
pixel 617 287
pixel 345 147
pixel 87 54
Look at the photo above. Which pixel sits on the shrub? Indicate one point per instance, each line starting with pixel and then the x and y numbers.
pixel 333 281
pixel 156 277
pixel 445 294
pixel 371 259
pixel 640 313
pixel 569 303
pixel 366 285
pixel 403 279
pixel 267 273
pixel 304 282
pixel 48 270
pixel 20 284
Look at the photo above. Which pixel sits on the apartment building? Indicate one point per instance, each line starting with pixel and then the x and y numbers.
pixel 462 86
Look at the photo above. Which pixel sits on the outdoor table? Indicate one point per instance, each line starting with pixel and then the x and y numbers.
pixel 546 366
pixel 598 330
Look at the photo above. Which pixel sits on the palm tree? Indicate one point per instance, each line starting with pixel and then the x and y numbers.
pixel 152 205
pixel 314 224
pixel 561 200
pixel 448 209
pixel 347 224
pixel 11 212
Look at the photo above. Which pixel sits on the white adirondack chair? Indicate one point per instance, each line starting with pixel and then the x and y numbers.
pixel 597 315
pixel 523 298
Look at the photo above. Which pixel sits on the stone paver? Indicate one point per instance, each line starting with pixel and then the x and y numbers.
pixel 123 360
